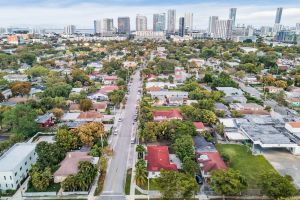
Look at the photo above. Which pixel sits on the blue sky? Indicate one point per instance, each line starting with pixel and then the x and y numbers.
pixel 57 13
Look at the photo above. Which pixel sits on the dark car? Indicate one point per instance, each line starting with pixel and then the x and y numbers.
pixel 199 179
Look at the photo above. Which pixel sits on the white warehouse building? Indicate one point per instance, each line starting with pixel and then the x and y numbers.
pixel 15 165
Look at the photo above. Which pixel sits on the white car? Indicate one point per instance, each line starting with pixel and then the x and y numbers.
pixel 116 132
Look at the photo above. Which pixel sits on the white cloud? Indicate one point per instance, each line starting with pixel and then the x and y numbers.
pixel 83 15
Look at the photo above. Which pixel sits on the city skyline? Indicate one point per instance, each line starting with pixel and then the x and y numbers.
pixel 34 15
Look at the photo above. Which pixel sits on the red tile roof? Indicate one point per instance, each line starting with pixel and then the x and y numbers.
pixel 158 158
pixel 90 115
pixel 199 125
pixel 211 161
pixel 294 124
pixel 110 78
pixel 167 113
pixel 153 89
pixel 108 88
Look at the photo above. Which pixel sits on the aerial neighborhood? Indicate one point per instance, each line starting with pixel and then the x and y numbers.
pixel 150 116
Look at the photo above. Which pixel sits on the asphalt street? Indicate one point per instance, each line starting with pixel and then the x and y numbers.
pixel 116 174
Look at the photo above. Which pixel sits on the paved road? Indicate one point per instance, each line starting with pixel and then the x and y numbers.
pixel 116 174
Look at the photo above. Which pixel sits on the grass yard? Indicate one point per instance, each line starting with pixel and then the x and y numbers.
pixel 128 182
pixel 152 185
pixel 165 107
pixel 249 165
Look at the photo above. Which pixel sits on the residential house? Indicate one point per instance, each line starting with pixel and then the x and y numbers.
pixel 45 120
pixel 90 116
pixel 108 88
pixel 129 64
pixel 96 106
pixel 16 77
pixel 272 89
pixel 7 93
pixel 293 127
pixel 70 165
pixel 162 85
pixel 161 115
pixel 109 80
pixel 199 126
pixel 210 161
pixel 180 75
pixel 232 94
pixel 15 165
pixel 157 159
pixel 201 145
pixel 168 94
pixel 294 101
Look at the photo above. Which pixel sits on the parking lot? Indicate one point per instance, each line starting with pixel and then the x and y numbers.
pixel 285 163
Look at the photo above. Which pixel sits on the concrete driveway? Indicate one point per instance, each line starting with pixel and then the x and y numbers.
pixel 285 163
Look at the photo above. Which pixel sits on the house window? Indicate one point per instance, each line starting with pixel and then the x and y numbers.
pixel 4 177
pixel 16 174
pixel 26 163
pixel 20 168
pixel 10 177
pixel 12 185
pixel 30 158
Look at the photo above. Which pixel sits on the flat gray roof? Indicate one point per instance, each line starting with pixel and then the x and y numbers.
pixel 15 155
pixel 267 134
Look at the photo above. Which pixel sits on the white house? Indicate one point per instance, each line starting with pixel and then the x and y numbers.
pixel 15 165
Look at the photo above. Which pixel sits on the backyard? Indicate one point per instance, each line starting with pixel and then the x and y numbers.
pixel 249 165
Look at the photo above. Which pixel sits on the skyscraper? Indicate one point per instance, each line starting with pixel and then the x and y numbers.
pixel 171 21
pixel 70 29
pixel 223 29
pixel 141 23
pixel 212 24
pixel 104 26
pixel 232 15
pixel 124 25
pixel 298 28
pixel 181 26
pixel 159 22
pixel 97 26
pixel 278 15
pixel 188 20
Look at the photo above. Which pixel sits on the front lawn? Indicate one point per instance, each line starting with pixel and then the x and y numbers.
pixel 249 165
pixel 152 185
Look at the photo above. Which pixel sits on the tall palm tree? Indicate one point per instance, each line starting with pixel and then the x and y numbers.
pixel 140 174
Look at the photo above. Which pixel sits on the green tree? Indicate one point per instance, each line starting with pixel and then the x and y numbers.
pixel 173 185
pixel 228 182
pixel 58 90
pixel 40 179
pixel 189 166
pixel 85 104
pixel 37 71
pixel 140 172
pixel 66 140
pixel 116 96
pixel 20 88
pixel 21 119
pixel 276 186
pixel 184 147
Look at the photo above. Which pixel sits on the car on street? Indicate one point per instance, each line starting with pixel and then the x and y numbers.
pixel 116 132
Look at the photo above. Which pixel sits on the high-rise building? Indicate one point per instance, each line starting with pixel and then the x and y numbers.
pixel 124 25
pixel 223 29
pixel 97 26
pixel 278 15
pixel 171 28
pixel 2 30
pixel 298 28
pixel 159 22
pixel 181 26
pixel 188 20
pixel 266 30
pixel 232 15
pixel 70 29
pixel 141 23
pixel 212 24
pixel 104 27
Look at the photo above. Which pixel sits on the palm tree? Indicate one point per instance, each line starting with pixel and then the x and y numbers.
pixel 140 149
pixel 140 173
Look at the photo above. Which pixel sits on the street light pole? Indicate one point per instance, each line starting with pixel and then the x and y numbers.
pixel 148 188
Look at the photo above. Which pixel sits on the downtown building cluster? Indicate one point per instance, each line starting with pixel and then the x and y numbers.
pixel 165 25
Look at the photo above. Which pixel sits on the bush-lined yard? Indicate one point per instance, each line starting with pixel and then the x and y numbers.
pixel 249 165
